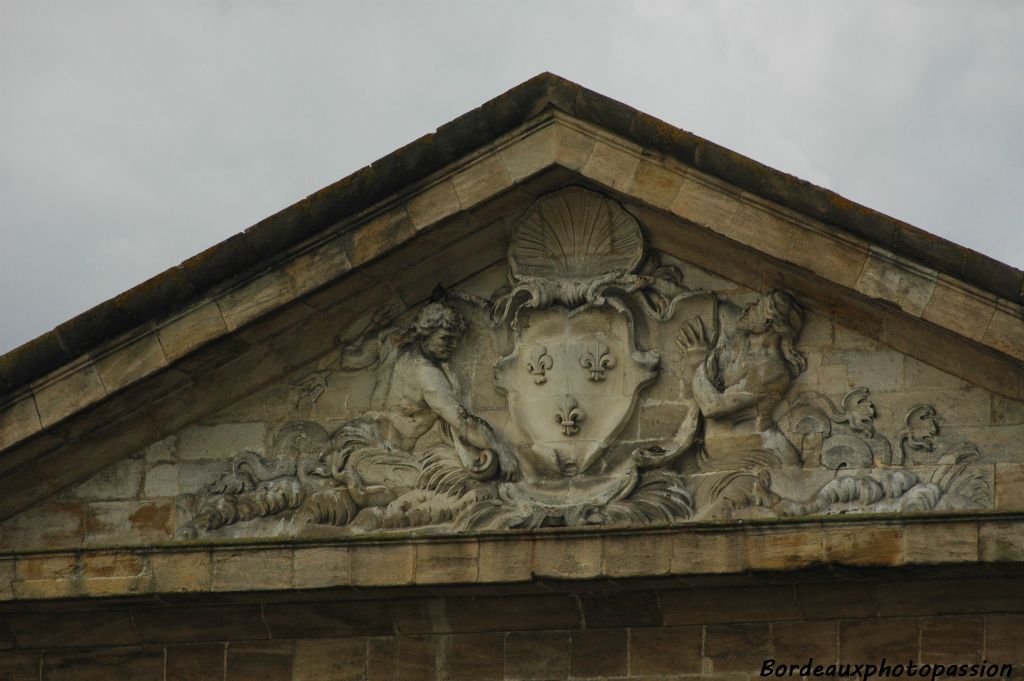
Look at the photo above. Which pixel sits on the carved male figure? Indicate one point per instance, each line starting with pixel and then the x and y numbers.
pixel 737 384
pixel 415 389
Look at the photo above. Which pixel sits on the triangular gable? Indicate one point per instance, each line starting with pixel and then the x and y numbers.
pixel 265 320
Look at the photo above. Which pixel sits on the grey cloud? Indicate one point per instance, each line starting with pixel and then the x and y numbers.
pixel 137 134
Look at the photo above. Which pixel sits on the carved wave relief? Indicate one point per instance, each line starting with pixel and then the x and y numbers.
pixel 583 294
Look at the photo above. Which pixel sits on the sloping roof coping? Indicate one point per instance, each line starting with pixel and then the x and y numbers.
pixel 174 288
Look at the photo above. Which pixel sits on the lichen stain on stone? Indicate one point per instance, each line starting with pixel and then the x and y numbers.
pixel 156 517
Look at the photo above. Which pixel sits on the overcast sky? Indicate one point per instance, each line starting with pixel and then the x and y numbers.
pixel 134 135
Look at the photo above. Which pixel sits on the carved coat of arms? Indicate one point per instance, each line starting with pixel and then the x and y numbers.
pixel 583 301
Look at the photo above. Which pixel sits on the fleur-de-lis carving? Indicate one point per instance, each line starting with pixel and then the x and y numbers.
pixel 597 359
pixel 569 416
pixel 538 363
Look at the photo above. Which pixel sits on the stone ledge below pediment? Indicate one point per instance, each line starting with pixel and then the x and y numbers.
pixel 987 544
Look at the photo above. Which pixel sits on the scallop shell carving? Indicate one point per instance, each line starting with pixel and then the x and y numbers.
pixel 575 234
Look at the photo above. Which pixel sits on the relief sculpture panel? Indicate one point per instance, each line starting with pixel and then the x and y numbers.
pixel 590 323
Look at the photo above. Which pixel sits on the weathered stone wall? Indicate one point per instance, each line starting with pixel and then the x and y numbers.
pixel 625 630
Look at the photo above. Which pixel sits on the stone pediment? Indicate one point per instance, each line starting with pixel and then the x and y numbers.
pixel 567 325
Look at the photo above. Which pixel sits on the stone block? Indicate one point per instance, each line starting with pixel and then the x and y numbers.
pixel 62 396
pixel 931 543
pixel 199 624
pixel 952 640
pixel 137 663
pixel 322 265
pixel 474 657
pixel 537 655
pixel 203 662
pixel 893 639
pixel 1002 638
pixel 964 407
pixel 795 642
pixel 162 481
pixel 193 478
pixel 505 560
pixel 77 629
pixel 531 154
pixel 483 179
pixel 1005 333
pixel 989 370
pixel 573 147
pixel 412 658
pixel 1001 541
pixel 604 610
pixel 114 574
pixel 921 376
pixel 185 571
pixel 737 647
pixel 1006 411
pixel 1009 487
pixel 656 184
pixel 329 619
pixel 220 441
pixel 945 597
pixel 897 281
pixel 267 661
pixel 568 558
pixel 255 299
pixel 446 562
pixel 881 370
pixel 834 259
pixel 123 480
pixel 7 576
pixel 511 613
pixel 783 550
pixel 637 555
pixel 383 564
pixel 602 652
pixel 337 659
pixel 253 570
pixel 131 362
pixel 724 605
pixel 828 601
pixel 611 165
pixel 46 576
pixel 665 650
pixel 713 552
pixel 864 545
pixel 196 327
pixel 162 451
pixel 322 566
pixel 963 311
pixel 705 203
pixel 110 523
pixel 20 666
pixel 45 526
pixel 433 204
pixel 761 229
pixel 380 234
pixel 18 420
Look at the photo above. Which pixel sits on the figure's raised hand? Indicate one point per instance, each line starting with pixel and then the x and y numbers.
pixel 693 337
pixel 312 386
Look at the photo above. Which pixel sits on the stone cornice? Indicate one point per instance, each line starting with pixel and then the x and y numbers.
pixel 986 543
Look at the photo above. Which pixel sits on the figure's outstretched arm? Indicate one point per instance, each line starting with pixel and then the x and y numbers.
pixel 361 353
pixel 439 396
